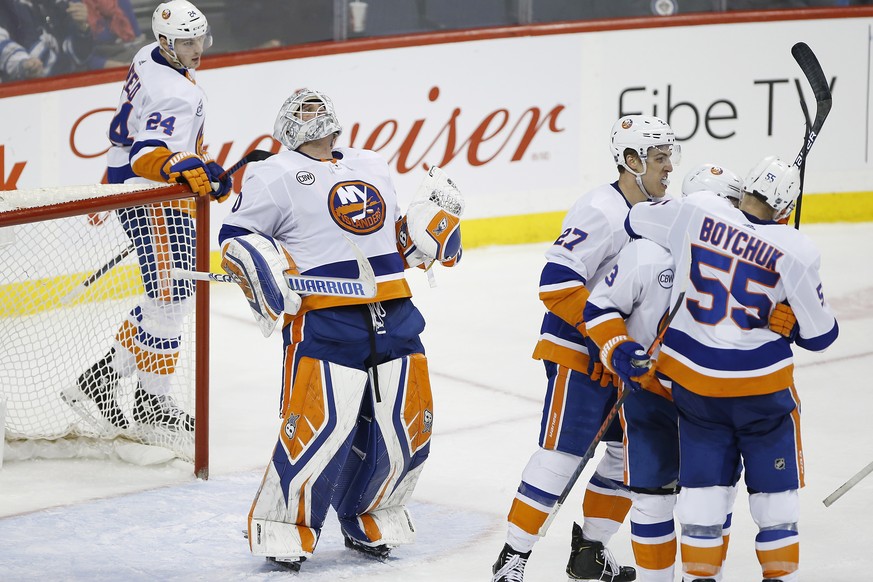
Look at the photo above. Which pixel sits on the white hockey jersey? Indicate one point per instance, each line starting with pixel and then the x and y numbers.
pixel 309 205
pixel 720 343
pixel 161 111
pixel 638 288
pixel 593 234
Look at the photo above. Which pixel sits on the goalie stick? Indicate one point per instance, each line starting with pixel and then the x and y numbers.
pixel 815 77
pixel 364 287
pixel 72 294
pixel 844 488
pixel 613 412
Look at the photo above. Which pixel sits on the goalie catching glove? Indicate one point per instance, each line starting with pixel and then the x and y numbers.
pixel 259 263
pixel 431 229
pixel 202 174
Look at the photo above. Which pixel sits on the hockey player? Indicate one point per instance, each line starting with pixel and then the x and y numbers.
pixel 716 179
pixel 638 289
pixel 579 391
pixel 356 407
pixel 157 136
pixel 731 372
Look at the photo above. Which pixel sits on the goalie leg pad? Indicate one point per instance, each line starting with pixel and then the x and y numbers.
pixel 371 509
pixel 258 262
pixel 388 526
pixel 298 485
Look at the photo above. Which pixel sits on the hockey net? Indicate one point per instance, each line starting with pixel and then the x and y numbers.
pixel 70 280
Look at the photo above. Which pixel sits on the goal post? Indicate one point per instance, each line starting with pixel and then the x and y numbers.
pixel 68 286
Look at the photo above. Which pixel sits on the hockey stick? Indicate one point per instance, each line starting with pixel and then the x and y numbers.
pixel 364 287
pixel 252 156
pixel 616 408
pixel 815 76
pixel 81 287
pixel 848 485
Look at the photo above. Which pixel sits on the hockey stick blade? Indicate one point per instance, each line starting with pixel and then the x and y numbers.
pixel 812 70
pixel 300 284
pixel 364 287
pixel 844 488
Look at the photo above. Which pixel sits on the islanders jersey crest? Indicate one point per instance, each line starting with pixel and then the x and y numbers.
pixel 356 207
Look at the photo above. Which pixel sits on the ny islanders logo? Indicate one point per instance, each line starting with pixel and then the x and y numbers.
pixel 357 207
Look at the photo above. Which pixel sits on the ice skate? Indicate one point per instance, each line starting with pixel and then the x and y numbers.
pixel 98 384
pixel 589 560
pixel 292 564
pixel 379 552
pixel 509 566
pixel 160 411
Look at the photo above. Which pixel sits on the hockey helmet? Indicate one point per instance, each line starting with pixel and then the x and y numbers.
pixel 179 19
pixel 776 182
pixel 639 133
pixel 714 179
pixel 307 115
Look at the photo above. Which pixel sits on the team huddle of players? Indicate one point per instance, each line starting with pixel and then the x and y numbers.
pixel 718 390
pixel 356 410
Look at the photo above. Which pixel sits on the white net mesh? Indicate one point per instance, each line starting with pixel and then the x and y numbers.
pixel 108 357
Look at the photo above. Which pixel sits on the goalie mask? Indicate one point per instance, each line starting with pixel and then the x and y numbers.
pixel 179 20
pixel 716 179
pixel 639 133
pixel 305 116
pixel 776 182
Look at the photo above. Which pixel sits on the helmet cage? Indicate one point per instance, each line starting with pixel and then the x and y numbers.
pixel 306 116
pixel 180 20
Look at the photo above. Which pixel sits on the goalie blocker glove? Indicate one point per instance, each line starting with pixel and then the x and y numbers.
pixel 259 263
pixel 431 229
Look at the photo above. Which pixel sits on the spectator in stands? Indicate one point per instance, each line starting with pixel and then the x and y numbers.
pixel 55 32
pixel 15 62
pixel 117 34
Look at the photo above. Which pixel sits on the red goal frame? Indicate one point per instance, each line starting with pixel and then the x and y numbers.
pixel 201 330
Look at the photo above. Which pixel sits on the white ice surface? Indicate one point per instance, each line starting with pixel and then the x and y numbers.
pixel 110 520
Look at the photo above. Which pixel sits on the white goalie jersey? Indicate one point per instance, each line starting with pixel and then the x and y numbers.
pixel 307 205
